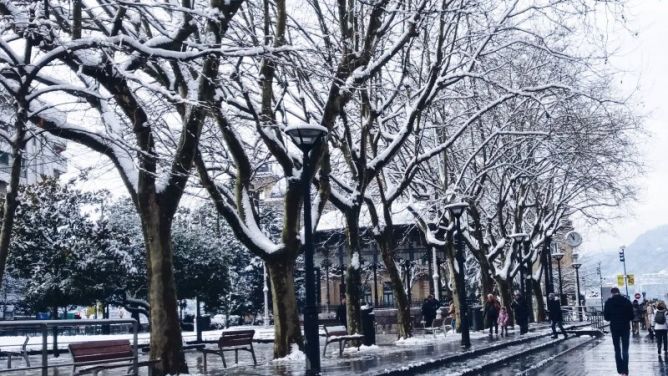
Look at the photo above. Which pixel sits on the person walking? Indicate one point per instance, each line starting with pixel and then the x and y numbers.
pixel 637 317
pixel 556 316
pixel 619 312
pixel 661 328
pixel 521 313
pixel 649 319
pixel 451 314
pixel 491 314
pixel 429 309
pixel 503 321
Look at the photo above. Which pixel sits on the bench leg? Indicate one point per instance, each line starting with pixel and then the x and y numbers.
pixel 324 351
pixel 341 345
pixel 9 361
pixel 222 356
pixel 236 356
pixel 252 351
pixel 27 358
pixel 204 360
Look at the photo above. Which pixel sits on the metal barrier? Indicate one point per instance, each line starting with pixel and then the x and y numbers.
pixel 596 319
pixel 43 327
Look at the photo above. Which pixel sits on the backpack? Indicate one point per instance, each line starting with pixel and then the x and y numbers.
pixel 660 317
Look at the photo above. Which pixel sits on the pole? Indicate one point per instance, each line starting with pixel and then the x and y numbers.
pixel 600 281
pixel 265 291
pixel 626 283
pixel 561 285
pixel 436 276
pixel 546 264
pixel 327 287
pixel 577 292
pixel 375 278
pixel 463 305
pixel 528 283
pixel 311 338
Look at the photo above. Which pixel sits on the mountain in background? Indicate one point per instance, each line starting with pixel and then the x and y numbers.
pixel 647 254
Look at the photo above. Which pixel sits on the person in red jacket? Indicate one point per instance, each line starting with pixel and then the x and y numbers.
pixel 619 311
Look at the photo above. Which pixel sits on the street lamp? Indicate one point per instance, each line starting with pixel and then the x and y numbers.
pixel 306 137
pixel 576 265
pixel 558 255
pixel 456 210
pixel 326 263
pixel 547 265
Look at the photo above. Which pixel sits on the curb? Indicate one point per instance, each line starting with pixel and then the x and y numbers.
pixel 471 353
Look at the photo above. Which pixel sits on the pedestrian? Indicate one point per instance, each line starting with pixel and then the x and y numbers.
pixel 521 312
pixel 451 313
pixel 661 328
pixel 619 312
pixel 556 316
pixel 429 308
pixel 491 314
pixel 341 312
pixel 503 321
pixel 637 317
pixel 649 319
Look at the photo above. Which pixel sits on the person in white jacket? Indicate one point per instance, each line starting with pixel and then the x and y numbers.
pixel 660 321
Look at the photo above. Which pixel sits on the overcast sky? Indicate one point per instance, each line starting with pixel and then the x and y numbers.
pixel 644 58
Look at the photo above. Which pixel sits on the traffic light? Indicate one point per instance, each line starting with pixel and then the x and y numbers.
pixel 621 255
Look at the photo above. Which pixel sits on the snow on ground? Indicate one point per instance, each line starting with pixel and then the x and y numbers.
pixel 295 356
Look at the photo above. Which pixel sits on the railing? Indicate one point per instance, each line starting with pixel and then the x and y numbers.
pixel 596 320
pixel 43 326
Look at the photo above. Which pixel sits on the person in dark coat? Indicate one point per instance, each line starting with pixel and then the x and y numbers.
pixel 619 312
pixel 429 309
pixel 491 313
pixel 341 312
pixel 519 306
pixel 556 316
pixel 637 317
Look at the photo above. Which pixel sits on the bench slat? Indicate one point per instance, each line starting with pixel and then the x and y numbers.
pixel 100 350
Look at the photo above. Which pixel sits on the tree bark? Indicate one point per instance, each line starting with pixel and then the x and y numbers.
pixel 404 324
pixel 353 274
pixel 286 314
pixel 486 282
pixel 166 341
pixel 540 302
pixel 450 261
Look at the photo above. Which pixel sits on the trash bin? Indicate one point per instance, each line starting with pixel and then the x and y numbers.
pixel 368 327
pixel 476 318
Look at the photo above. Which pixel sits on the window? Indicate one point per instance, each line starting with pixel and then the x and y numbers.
pixel 388 295
pixel 4 158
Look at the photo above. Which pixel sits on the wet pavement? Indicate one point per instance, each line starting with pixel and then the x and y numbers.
pixel 598 358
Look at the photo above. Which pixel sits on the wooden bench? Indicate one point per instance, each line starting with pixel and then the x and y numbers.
pixel 232 341
pixel 111 353
pixel 339 334
pixel 23 353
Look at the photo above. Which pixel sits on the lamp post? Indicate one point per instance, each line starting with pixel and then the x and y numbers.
pixel 375 278
pixel 576 265
pixel 456 210
pixel 558 255
pixel 325 265
pixel 547 270
pixel 622 258
pixel 265 291
pixel 306 137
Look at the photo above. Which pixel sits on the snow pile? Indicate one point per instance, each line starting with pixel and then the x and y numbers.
pixel 295 356
pixel 363 349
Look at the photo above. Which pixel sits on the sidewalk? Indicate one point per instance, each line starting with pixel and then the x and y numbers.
pixel 376 360
pixel 598 358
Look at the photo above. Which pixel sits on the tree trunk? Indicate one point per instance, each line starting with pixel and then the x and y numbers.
pixel 11 200
pixel 505 291
pixel 450 261
pixel 404 324
pixel 486 282
pixel 540 301
pixel 166 341
pixel 286 315
pixel 353 274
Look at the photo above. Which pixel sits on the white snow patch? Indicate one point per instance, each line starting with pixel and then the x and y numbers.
pixel 295 356
pixel 355 262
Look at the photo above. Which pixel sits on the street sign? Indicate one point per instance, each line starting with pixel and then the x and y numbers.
pixel 631 279
pixel 620 280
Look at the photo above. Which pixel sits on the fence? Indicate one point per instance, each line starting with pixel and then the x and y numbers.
pixel 43 328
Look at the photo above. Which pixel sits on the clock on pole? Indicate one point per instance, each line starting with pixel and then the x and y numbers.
pixel 573 239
